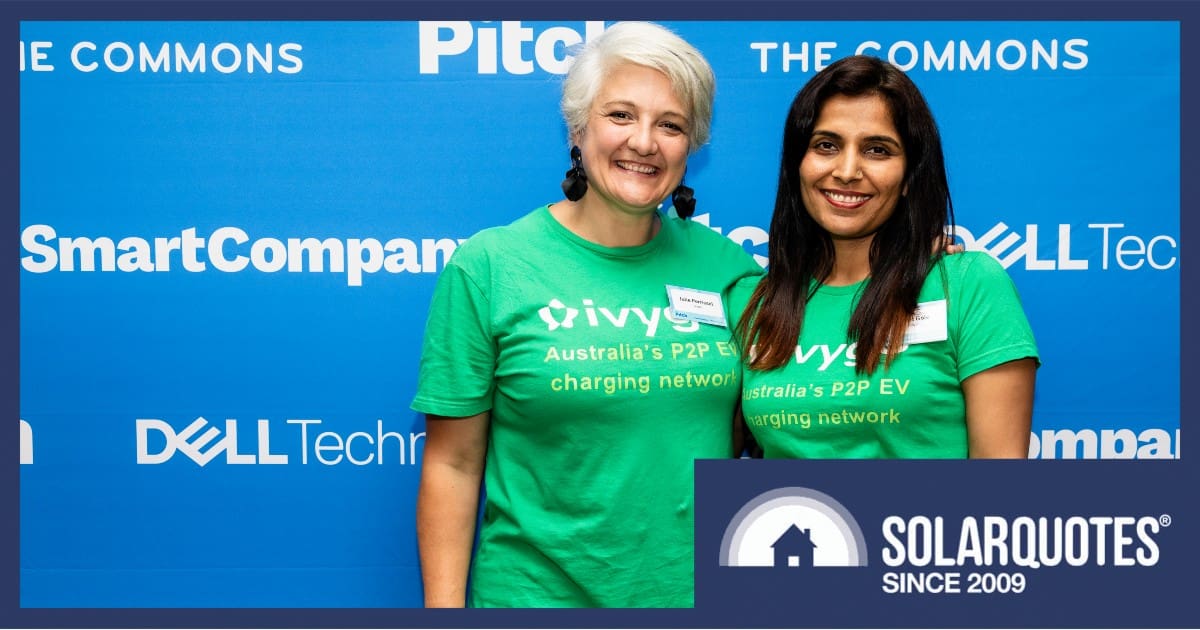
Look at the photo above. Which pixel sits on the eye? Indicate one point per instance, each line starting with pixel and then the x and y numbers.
pixel 673 127
pixel 823 146
pixel 620 115
pixel 879 150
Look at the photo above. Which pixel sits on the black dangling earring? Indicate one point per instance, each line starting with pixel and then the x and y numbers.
pixel 575 183
pixel 684 201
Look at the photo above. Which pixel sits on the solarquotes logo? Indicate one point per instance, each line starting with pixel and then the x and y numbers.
pixel 797 528
pixel 930 553
pixel 793 527
pixel 202 442
pixel 1118 246
pixel 26 443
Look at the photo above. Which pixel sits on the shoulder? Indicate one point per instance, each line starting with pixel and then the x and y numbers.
pixel 698 234
pixel 717 251
pixel 973 267
pixel 740 292
pixel 497 241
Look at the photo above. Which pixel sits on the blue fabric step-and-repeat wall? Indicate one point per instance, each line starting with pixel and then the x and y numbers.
pixel 230 232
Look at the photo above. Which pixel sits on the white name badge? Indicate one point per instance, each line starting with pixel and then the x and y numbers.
pixel 695 305
pixel 928 323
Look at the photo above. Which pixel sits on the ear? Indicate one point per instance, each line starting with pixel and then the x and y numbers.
pixel 577 136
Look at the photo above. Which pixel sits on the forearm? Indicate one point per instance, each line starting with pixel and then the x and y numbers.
pixel 447 503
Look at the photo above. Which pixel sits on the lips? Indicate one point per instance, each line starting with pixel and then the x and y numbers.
pixel 635 167
pixel 843 199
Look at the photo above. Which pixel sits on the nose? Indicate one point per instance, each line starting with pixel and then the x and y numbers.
pixel 641 138
pixel 847 168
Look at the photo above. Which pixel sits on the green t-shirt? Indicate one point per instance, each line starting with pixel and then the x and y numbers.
pixel 816 406
pixel 600 402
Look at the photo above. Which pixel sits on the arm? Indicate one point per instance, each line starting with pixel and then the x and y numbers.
pixel 448 503
pixel 1000 410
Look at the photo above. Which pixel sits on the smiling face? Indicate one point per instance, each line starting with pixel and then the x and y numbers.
pixel 635 144
pixel 852 173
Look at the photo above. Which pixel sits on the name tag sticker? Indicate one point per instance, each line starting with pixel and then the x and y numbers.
pixel 928 323
pixel 694 305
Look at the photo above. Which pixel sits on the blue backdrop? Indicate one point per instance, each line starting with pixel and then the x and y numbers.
pixel 230 232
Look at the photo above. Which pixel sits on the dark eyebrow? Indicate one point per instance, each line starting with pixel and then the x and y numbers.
pixel 837 136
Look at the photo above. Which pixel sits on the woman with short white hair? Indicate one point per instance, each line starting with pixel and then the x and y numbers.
pixel 556 372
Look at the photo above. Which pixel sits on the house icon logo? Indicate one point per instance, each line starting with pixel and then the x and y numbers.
pixel 793 528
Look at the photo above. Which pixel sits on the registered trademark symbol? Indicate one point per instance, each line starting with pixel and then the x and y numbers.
pixel 1165 520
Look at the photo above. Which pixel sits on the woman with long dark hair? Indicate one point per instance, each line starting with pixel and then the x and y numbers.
pixel 858 342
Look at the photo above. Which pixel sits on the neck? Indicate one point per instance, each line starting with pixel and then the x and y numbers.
pixel 605 226
pixel 851 262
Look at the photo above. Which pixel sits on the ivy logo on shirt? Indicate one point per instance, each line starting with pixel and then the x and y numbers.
pixel 793 527
pixel 648 319
pixel 547 313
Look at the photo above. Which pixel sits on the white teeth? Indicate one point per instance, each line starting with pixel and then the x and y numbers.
pixel 841 198
pixel 638 168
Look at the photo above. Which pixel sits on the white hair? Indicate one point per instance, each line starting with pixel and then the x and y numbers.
pixel 644 44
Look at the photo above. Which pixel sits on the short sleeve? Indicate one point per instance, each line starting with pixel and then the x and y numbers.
pixel 992 327
pixel 458 356
pixel 737 297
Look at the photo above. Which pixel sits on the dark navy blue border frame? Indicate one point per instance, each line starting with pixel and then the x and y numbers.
pixel 1185 477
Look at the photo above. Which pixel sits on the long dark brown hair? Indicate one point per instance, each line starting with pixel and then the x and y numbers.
pixel 801 252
